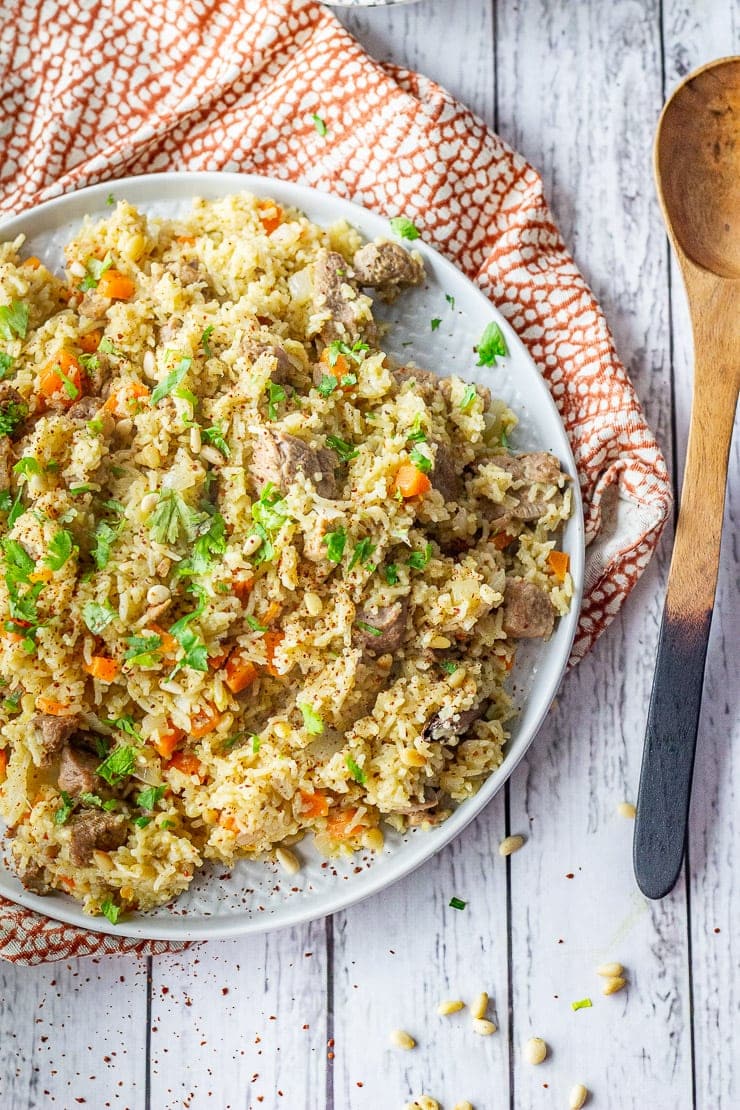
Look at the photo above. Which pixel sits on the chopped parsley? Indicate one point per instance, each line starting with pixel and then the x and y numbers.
pixel 172 518
pixel 448 666
pixel 13 320
pixel 468 398
pixel 436 321
pixel 355 770
pixel 205 341
pixel 94 270
pixel 105 536
pixel 369 628
pixel 362 553
pixel 457 903
pixel 110 910
pixel 327 385
pixel 356 352
pixel 106 346
pixel 125 724
pixel 421 461
pixel 62 815
pixel 98 803
pixel 6 363
pixel 195 653
pixel 96 616
pixel 11 415
pixel 311 720
pixel 450 300
pixel 117 766
pixel 419 559
pixel 26 466
pixel 319 125
pixel 12 704
pixel 346 451
pixel 391 574
pixel 18 567
pixel 404 227
pixel 210 543
pixel 269 514
pixel 148 798
pixel 581 1004
pixel 492 345
pixel 172 381
pixel 142 822
pixel 61 547
pixel 275 396
pixel 215 436
pixel 143 651
pixel 335 544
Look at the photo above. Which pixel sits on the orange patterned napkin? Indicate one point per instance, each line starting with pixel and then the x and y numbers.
pixel 103 91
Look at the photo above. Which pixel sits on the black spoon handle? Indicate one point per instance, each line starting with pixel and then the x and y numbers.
pixel 668 756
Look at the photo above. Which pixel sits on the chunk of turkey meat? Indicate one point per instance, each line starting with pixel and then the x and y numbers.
pixel 528 611
pixel 52 734
pixel 278 457
pixel 334 293
pixel 386 266
pixel 93 831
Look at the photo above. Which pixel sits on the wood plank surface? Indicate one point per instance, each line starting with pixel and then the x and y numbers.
pixel 577 89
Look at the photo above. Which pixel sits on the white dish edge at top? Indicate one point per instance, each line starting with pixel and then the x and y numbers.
pixel 257 896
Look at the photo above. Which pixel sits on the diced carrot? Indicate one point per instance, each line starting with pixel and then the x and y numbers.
pixel 226 821
pixel 102 668
pixel 240 672
pixel 341 823
pixel 242 587
pixel 502 540
pixel 272 612
pixel 43 575
pixel 204 721
pixel 3 763
pixel 51 382
pixel 339 367
pixel 68 881
pixel 14 637
pixel 559 561
pixel 116 286
pixel 410 482
pixel 90 341
pixel 32 262
pixel 270 214
pixel 217 660
pixel 122 400
pixel 168 741
pixel 313 805
pixel 189 239
pixel 56 708
pixel 272 640
pixel 169 644
pixel 187 762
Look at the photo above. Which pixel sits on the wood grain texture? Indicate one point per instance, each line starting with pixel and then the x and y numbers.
pixel 691 37
pixel 578 91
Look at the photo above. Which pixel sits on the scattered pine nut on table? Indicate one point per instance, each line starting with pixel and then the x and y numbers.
pixel 611 986
pixel 608 971
pixel 626 809
pixel 401 1039
pixel 450 1006
pixel 510 844
pixel 479 1006
pixel 578 1097
pixel 535 1050
pixel 483 1027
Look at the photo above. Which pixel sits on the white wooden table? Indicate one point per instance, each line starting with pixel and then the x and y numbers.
pixel 300 1020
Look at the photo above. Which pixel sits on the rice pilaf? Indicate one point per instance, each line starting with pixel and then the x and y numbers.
pixel 257 580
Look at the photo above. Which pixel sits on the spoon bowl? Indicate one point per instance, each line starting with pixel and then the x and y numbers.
pixel 697 166
pixel 697 171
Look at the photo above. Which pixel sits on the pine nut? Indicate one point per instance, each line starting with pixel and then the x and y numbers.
pixel 314 604
pixel 483 1027
pixel 281 729
pixel 373 840
pixel 211 455
pixel 411 758
pixel 479 1006
pixel 251 544
pixel 401 1039
pixel 450 1006
pixel 148 364
pixel 578 1096
pixel 510 844
pixel 457 678
pixel 609 971
pixel 195 440
pixel 535 1050
pixel 611 986
pixel 463 1105
pixel 439 642
pixel 288 860
pixel 157 595
pixel 423 1102
pixel 148 502
pixel 103 861
pixel 149 455
pixel 626 809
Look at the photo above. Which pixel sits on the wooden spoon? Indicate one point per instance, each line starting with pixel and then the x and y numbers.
pixel 697 170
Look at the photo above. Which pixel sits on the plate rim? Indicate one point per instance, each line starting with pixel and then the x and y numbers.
pixel 372 881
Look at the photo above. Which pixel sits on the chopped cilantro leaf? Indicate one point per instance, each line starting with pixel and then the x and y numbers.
pixel 404 227
pixel 355 770
pixel 106 346
pixel 142 822
pixel 110 200
pixel 125 724
pixel 391 574
pixel 215 436
pixel 61 547
pixel 105 537
pixel 90 362
pixel 96 616
pixel 469 397
pixel 173 517
pixel 195 653
pixel 256 744
pixel 148 798
pixel 173 379
pixel 335 543
pixel 356 352
pixel 311 720
pixel 12 413
pixel 419 559
pixel 143 650
pixel 417 433
pixel 492 345
pixel 205 341
pixel 254 624
pixel 110 910
pixel 435 323
pixel 62 815
pixel 6 363
pixel 450 300
pixel 362 553
pixel 319 125
pixel 421 461
pixel 346 451
pixel 13 320
pixel 275 396
pixel 448 666
pixel 94 270
pixel 27 465
pixel 118 765
pixel 327 385
pixel 369 628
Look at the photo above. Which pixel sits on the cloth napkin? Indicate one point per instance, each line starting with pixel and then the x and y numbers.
pixel 100 91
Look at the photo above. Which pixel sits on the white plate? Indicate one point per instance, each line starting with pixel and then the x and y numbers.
pixel 258 895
